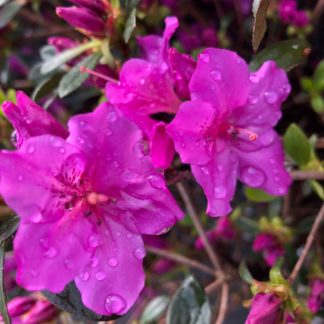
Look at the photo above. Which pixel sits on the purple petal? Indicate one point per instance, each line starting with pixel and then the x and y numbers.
pixel 112 281
pixel 31 120
pixel 221 78
pixel 269 88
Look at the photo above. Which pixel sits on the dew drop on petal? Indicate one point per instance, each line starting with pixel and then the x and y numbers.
pixel 271 97
pixel 286 88
pixel 84 276
pixel 94 262
pixel 204 57
pixel 100 276
pixel 267 138
pixel 115 304
pixel 139 253
pixel 252 100
pixel 20 178
pixel 141 148
pixel 68 264
pixel 272 161
pixel 128 235
pixel 34 273
pixel 50 253
pixel 216 75
pixel 156 182
pixel 113 262
pixel 276 179
pixel 118 234
pixel 36 218
pixel 142 81
pixel 94 241
pixel 252 176
pixel 254 78
pixel 44 243
pixel 112 116
pixel 220 192
pixel 205 170
pixel 281 190
pixel 62 150
pixel 31 149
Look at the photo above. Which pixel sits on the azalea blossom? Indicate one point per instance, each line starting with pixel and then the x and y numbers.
pixel 226 131
pixel 151 85
pixel 84 203
pixel 316 298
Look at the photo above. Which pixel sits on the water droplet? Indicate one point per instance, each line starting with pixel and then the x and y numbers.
pixel 108 132
pixel 28 121
pixel 34 273
pixel 156 182
pixel 142 81
pixel 252 100
pixel 55 142
pixel 272 161
pixel 62 150
pixel 50 253
pixel 115 304
pixel 31 149
pixel 128 235
pixel 281 190
pixel 204 57
pixel 68 264
pixel 112 116
pixel 252 176
pixel 216 75
pixel 84 276
pixel 220 192
pixel 271 97
pixel 276 179
pixel 205 170
pixel 113 262
pixel 94 262
pixel 129 96
pixel 44 243
pixel 81 140
pixel 118 234
pixel 141 148
pixel 36 217
pixel 286 88
pixel 82 123
pixel 254 78
pixel 20 178
pixel 100 276
pixel 94 241
pixel 267 137
pixel 139 253
pixel 128 175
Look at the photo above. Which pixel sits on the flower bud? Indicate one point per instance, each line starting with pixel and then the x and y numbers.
pixel 316 298
pixel 20 305
pixel 41 312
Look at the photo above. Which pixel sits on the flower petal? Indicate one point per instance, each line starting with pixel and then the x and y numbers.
pixel 218 180
pixel 221 78
pixel 189 131
pixel 269 88
pixel 112 281
pixel 31 120
pixel 54 253
pixel 264 168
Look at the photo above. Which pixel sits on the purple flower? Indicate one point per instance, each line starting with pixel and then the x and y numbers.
pixel 270 246
pixel 153 85
pixel 316 298
pixel 289 14
pixel 30 120
pixel 84 203
pixel 225 131
pixel 265 309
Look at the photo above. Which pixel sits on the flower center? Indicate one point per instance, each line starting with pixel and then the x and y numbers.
pixel 241 133
pixel 94 198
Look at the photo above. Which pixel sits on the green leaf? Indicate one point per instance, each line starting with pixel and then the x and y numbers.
pixel 55 62
pixel 319 76
pixel 129 7
pixel 154 309
pixel 74 78
pixel 9 11
pixel 257 195
pixel 318 188
pixel 189 305
pixel 245 274
pixel 7 228
pixel 259 10
pixel 317 103
pixel 297 145
pixel 69 300
pixel 46 86
pixel 287 54
pixel 275 275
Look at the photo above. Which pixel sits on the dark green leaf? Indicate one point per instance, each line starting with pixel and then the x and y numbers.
pixel 259 9
pixel 257 195
pixel 154 309
pixel 69 300
pixel 74 78
pixel 129 7
pixel 46 86
pixel 287 54
pixel 8 11
pixel 297 145
pixel 8 226
pixel 189 305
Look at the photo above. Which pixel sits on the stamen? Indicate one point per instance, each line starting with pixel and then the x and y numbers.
pixel 93 198
pixel 236 132
pixel 84 69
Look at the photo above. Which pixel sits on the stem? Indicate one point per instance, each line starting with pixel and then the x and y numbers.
pixel 214 285
pixel 309 242
pixel 180 259
pixel 195 219
pixel 223 304
pixel 307 175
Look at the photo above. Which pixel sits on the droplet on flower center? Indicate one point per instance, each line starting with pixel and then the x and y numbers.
pixel 220 192
pixel 113 262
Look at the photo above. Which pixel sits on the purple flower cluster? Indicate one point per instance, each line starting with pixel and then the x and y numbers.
pixel 316 299
pixel 289 14
pixel 86 195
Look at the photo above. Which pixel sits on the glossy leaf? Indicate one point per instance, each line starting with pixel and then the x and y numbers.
pixel 189 305
pixel 75 77
pixel 287 54
pixel 154 309
pixel 297 145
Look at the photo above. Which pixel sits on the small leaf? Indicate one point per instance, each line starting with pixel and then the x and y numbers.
pixel 257 195
pixel 319 76
pixel 189 305
pixel 154 309
pixel 317 103
pixel 287 54
pixel 259 10
pixel 245 274
pixel 275 275
pixel 46 86
pixel 129 7
pixel 60 59
pixel 69 300
pixel 9 11
pixel 297 145
pixel 74 78
pixel 318 188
